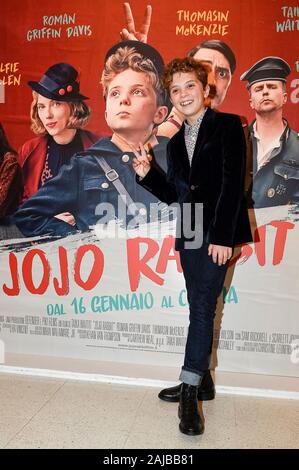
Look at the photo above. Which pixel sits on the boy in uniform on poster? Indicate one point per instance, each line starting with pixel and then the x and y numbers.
pixel 135 105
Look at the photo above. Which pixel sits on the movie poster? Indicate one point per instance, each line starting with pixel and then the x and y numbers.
pixel 75 288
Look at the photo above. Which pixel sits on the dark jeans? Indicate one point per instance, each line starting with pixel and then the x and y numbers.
pixel 204 282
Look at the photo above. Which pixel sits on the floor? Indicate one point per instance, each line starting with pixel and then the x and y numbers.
pixel 52 413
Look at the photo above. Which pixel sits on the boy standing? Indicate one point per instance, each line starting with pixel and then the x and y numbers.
pixel 206 163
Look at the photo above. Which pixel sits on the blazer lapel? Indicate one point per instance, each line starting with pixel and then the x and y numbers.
pixel 205 132
pixel 181 152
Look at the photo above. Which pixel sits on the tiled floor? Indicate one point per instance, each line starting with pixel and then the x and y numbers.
pixel 50 413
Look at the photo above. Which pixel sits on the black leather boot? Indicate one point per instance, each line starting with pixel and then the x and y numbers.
pixel 206 390
pixel 191 422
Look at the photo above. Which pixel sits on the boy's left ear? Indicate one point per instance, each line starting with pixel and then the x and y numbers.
pixel 206 91
pixel 160 114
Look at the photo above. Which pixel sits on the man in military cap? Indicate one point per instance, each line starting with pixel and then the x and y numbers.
pixel 275 147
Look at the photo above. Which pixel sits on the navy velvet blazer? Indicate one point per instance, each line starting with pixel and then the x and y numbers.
pixel 216 178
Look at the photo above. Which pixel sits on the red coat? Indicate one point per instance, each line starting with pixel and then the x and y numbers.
pixel 32 156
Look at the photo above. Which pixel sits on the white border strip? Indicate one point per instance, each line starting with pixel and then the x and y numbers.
pixel 142 382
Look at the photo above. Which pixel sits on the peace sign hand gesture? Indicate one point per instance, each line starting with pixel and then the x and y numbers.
pixel 141 162
pixel 130 32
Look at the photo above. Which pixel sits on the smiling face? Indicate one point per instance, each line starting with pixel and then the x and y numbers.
pixel 267 96
pixel 131 105
pixel 54 116
pixel 221 76
pixel 188 95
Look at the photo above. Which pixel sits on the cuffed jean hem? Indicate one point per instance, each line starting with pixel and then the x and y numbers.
pixel 190 378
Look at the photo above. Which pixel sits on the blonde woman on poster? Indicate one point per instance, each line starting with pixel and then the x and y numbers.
pixel 58 115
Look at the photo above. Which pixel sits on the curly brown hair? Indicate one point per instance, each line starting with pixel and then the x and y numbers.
pixel 187 65
pixel 79 115
pixel 127 58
